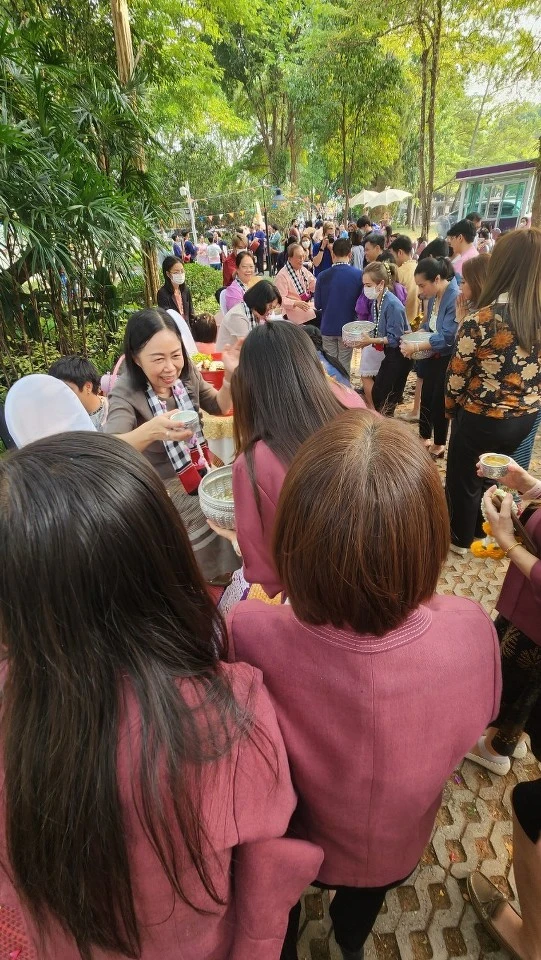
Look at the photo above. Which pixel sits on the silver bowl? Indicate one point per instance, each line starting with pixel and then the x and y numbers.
pixel 495 471
pixel 422 337
pixel 216 497
pixel 189 418
pixel 353 333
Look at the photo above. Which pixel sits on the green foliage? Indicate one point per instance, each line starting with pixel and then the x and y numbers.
pixel 203 283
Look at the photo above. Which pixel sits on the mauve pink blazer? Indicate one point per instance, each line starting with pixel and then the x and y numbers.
pixel 254 528
pixel 248 800
pixel 520 599
pixel 373 726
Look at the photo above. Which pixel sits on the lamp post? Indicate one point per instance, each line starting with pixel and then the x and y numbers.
pixel 185 192
pixel 125 66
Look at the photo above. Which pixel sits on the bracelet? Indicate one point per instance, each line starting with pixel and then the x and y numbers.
pixel 517 543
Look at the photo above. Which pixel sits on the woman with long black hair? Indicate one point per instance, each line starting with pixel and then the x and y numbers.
pixel 174 294
pixel 136 765
pixel 281 396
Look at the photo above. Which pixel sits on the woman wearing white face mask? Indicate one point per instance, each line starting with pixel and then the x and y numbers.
pixel 175 295
pixel 391 323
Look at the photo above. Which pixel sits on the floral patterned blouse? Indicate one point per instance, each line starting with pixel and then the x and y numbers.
pixel 489 373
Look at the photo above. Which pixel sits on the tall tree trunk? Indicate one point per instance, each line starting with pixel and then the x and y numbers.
pixel 293 147
pixel 125 65
pixel 409 214
pixel 425 219
pixel 343 144
pixel 536 206
pixel 434 73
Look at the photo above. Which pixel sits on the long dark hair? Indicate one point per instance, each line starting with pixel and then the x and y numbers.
pixel 140 328
pixel 280 392
pixel 102 612
pixel 315 336
pixel 166 268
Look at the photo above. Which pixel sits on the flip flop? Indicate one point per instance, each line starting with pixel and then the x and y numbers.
pixel 486 900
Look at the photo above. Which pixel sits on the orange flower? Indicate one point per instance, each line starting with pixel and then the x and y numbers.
pixel 475 384
pixel 513 379
pixel 458 365
pixel 502 340
pixel 485 353
pixel 485 314
pixel 473 407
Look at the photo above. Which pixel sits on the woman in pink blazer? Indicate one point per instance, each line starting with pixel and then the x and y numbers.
pixel 379 684
pixel 281 396
pixel 145 785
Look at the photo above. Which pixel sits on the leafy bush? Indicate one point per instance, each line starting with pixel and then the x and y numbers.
pixel 203 283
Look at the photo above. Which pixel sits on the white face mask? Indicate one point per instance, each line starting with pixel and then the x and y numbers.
pixel 178 278
pixel 370 293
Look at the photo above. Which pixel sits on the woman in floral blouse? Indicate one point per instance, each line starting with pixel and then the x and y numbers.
pixel 493 390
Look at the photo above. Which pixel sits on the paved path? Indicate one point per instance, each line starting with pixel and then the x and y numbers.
pixel 430 916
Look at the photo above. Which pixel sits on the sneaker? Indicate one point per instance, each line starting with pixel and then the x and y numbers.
pixel 462 551
pixel 498 765
pixel 520 751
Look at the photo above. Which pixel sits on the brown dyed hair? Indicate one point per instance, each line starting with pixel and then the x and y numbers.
pixel 475 273
pixel 515 269
pixel 355 543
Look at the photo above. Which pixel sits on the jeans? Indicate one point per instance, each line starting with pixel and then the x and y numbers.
pixel 334 346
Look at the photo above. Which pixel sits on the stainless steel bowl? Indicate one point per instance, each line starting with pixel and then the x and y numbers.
pixel 216 497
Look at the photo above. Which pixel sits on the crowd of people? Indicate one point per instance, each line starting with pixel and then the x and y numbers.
pixel 181 754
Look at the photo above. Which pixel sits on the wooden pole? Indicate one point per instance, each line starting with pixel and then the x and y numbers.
pixel 125 65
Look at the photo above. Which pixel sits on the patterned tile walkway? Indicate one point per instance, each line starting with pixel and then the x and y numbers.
pixel 430 916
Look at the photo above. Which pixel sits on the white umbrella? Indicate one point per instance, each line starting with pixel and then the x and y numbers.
pixel 388 196
pixel 364 198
